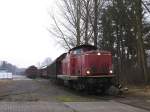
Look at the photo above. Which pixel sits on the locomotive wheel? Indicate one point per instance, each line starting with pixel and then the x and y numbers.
pixel 70 84
pixel 59 82
pixel 112 90
pixel 104 89
pixel 90 89
pixel 78 86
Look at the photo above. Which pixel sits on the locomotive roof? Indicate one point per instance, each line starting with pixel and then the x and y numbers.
pixel 58 59
pixel 83 46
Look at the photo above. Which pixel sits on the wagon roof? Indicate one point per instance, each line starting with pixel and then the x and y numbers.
pixel 61 57
pixel 83 46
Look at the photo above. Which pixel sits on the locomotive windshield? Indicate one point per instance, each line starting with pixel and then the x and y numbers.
pixel 76 52
pixel 82 48
pixel 88 49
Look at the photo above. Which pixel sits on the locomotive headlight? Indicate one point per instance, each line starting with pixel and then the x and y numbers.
pixel 99 53
pixel 88 72
pixel 111 71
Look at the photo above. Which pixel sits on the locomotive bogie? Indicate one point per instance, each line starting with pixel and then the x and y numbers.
pixel 89 84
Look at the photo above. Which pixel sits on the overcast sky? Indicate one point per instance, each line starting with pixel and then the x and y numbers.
pixel 24 39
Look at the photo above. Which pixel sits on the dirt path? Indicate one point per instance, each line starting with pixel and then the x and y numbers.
pixel 40 92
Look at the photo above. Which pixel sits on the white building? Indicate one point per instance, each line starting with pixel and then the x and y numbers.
pixel 5 74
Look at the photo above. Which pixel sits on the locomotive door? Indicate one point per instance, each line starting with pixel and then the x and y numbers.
pixel 79 63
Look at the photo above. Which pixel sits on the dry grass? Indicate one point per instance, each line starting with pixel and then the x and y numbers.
pixel 139 90
pixel 64 98
pixel 5 82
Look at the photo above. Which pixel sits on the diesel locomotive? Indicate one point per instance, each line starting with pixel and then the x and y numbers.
pixel 83 67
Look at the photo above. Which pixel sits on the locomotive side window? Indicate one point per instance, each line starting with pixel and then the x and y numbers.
pixel 77 51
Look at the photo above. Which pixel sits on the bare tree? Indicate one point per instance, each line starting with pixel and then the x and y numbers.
pixel 79 23
pixel 95 21
pixel 86 19
pixel 94 17
pixel 145 4
pixel 69 27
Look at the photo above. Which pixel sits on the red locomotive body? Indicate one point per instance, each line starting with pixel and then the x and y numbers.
pixel 96 63
pixel 87 67
pixel 86 61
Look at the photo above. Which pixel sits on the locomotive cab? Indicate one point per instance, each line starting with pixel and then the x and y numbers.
pixel 97 63
pixel 87 61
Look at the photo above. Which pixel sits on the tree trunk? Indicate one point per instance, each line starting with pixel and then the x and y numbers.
pixel 95 21
pixel 87 22
pixel 78 22
pixel 141 51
